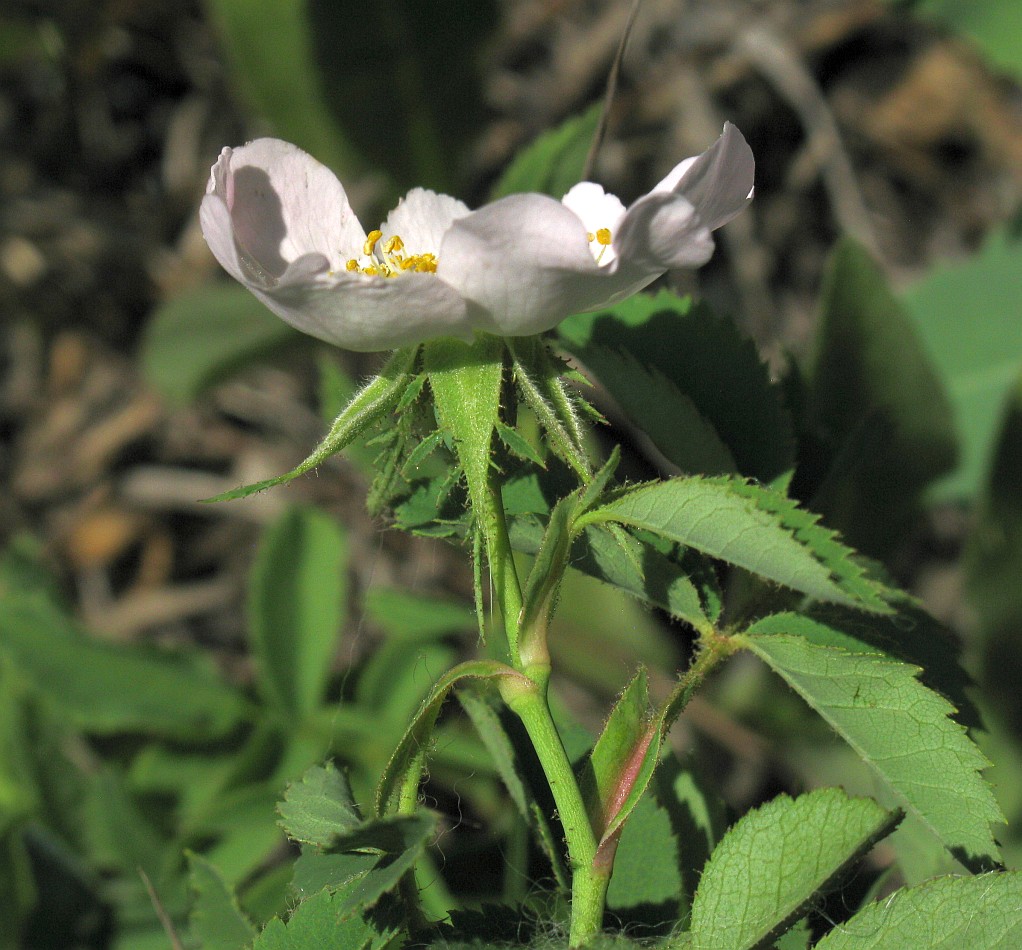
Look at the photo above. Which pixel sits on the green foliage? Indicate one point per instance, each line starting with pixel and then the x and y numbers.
pixel 750 527
pixel 984 912
pixel 324 921
pixel 994 25
pixel 877 398
pixel 271 49
pixel 297 606
pixel 967 315
pixel 107 688
pixel 897 726
pixel 555 161
pixel 216 919
pixel 197 338
pixel 690 381
pixel 769 867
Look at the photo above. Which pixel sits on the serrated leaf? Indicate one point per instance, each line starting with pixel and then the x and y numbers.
pixel 769 867
pixel 554 162
pixel 705 358
pixel 296 607
pixel 324 921
pixel 911 635
pixel 670 417
pixel 319 807
pixel 751 527
pixel 106 688
pixel 370 404
pixel 900 729
pixel 947 913
pixel 217 920
pixel 197 338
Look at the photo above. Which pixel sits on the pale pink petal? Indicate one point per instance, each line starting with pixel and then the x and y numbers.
pixel 283 204
pixel 718 183
pixel 524 262
pixel 422 218
pixel 597 209
pixel 661 231
pixel 366 314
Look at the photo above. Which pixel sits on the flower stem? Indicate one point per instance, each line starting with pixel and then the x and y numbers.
pixel 588 884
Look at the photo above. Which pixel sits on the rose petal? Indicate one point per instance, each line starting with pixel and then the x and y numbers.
pixel 660 231
pixel 284 204
pixel 596 209
pixel 366 314
pixel 422 218
pixel 719 183
pixel 524 261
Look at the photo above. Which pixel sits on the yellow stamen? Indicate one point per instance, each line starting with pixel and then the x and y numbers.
pixel 352 265
pixel 603 236
pixel 370 245
pixel 393 244
pixel 590 236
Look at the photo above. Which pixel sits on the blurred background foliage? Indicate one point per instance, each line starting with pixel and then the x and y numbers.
pixel 166 667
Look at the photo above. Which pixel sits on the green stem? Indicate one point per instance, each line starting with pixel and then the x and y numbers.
pixel 588 885
pixel 503 572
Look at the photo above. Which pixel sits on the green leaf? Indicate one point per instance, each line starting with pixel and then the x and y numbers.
pixel 555 161
pixel 994 25
pixel 272 51
pixel 410 616
pixel 107 688
pixel 770 866
pixel 406 763
pixel 201 336
pixel 751 527
pixel 297 606
pixel 319 807
pixel 324 921
pixel 663 412
pixel 217 921
pixel 994 565
pixel 947 913
pixel 967 314
pixel 367 407
pixel 717 382
pixel 646 887
pixel 875 390
pixel 900 729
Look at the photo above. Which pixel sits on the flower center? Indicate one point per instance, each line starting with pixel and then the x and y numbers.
pixel 603 238
pixel 387 260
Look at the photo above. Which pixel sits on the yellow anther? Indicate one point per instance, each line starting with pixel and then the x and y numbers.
pixel 371 240
pixel 351 266
pixel 371 271
pixel 603 236
pixel 393 244
pixel 590 236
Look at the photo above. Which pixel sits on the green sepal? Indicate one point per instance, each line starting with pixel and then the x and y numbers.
pixel 373 401
pixel 610 771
